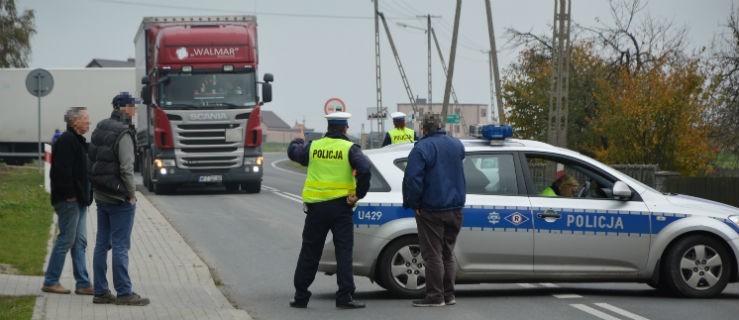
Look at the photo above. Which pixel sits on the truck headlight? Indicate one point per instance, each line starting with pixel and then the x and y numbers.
pixel 252 161
pixel 161 163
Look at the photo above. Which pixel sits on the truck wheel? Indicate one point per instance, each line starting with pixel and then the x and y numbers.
pixel 401 268
pixel 697 266
pixel 252 187
pixel 146 172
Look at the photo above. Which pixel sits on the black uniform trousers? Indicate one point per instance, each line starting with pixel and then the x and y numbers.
pixel 334 215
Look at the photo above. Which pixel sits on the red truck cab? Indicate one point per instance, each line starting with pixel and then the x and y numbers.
pixel 200 120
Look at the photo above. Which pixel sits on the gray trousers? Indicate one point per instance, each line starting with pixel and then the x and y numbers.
pixel 437 234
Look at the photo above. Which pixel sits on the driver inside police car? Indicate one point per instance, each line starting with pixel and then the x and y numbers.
pixel 564 186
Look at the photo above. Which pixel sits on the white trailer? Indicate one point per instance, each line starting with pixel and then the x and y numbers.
pixel 93 88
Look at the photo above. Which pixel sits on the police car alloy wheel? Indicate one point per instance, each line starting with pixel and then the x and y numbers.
pixel 401 268
pixel 697 266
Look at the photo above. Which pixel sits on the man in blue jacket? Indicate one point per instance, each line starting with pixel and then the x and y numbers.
pixel 434 187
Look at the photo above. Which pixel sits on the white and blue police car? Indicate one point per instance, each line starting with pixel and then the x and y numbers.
pixel 612 229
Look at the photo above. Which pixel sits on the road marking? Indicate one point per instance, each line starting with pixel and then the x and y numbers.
pixel 290 196
pixel 594 312
pixel 274 165
pixel 620 311
pixel 549 285
pixel 567 296
pixel 526 285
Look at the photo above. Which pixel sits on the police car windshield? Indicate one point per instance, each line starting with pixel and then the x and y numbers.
pixel 208 91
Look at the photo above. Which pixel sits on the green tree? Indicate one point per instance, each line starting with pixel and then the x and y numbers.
pixel 654 116
pixel 15 35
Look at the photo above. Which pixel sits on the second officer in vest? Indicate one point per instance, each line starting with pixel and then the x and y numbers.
pixel 400 133
pixel 331 190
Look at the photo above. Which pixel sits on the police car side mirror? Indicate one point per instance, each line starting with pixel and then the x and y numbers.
pixel 621 191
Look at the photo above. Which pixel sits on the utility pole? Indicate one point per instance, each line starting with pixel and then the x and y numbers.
pixel 452 57
pixel 378 77
pixel 494 63
pixel 411 98
pixel 558 96
pixel 443 64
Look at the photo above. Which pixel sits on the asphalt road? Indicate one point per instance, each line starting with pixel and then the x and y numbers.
pixel 251 242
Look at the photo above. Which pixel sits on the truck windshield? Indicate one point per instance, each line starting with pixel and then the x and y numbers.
pixel 222 90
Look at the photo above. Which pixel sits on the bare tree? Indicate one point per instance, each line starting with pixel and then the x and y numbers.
pixel 15 35
pixel 638 43
pixel 726 65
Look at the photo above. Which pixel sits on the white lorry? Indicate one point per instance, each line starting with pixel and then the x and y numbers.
pixel 93 88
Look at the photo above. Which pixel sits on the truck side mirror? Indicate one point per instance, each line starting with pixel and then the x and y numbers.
pixel 266 91
pixel 146 94
pixel 268 77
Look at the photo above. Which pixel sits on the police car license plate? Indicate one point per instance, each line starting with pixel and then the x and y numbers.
pixel 216 178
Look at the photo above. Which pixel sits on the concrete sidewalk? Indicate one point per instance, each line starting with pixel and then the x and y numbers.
pixel 162 266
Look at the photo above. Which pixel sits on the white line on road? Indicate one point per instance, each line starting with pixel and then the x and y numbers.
pixel 290 196
pixel 526 285
pixel 594 312
pixel 549 285
pixel 274 165
pixel 620 311
pixel 567 296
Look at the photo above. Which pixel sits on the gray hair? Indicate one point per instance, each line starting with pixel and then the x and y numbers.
pixel 72 114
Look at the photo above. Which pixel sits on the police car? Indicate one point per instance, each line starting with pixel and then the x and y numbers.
pixel 613 229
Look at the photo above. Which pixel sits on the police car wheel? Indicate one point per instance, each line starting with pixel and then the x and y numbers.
pixel 697 266
pixel 402 270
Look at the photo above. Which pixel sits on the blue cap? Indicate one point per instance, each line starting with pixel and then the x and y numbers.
pixel 338 118
pixel 124 98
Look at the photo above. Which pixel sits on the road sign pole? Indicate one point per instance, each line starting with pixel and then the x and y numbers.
pixel 38 98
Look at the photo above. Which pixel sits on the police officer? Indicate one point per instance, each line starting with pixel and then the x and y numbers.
pixel 399 134
pixel 331 190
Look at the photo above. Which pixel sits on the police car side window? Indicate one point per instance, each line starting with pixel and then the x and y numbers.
pixel 545 169
pixel 377 182
pixel 490 174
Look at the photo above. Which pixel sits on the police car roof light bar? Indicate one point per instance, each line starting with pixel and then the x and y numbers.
pixel 495 133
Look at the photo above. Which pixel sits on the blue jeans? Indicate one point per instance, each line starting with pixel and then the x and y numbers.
pixel 115 222
pixel 72 220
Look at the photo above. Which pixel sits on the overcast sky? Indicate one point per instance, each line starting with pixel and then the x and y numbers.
pixel 320 49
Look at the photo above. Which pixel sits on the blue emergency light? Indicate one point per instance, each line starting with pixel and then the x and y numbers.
pixel 491 131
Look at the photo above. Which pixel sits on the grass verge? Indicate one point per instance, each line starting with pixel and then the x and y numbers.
pixel 17 307
pixel 25 217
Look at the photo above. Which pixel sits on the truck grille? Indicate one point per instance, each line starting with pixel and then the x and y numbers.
pixel 204 146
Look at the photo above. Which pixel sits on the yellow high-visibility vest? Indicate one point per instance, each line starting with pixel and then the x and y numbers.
pixel 329 174
pixel 401 135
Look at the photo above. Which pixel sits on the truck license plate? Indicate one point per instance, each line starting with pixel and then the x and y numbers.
pixel 216 178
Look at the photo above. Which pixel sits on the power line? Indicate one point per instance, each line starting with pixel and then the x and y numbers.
pixel 261 13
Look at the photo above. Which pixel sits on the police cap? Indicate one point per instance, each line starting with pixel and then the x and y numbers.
pixel 338 118
pixel 398 116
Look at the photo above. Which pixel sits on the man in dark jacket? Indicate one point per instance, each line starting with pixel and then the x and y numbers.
pixel 331 190
pixel 70 196
pixel 112 153
pixel 434 187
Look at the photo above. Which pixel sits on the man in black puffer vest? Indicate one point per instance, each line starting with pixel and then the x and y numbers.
pixel 112 154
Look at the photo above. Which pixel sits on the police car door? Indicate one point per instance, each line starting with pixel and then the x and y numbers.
pixel 587 234
pixel 496 236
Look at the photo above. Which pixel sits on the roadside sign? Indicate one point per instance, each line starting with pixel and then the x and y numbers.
pixel 39 82
pixel 334 105
pixel 452 118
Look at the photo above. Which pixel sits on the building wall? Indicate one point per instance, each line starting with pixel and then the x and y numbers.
pixel 469 114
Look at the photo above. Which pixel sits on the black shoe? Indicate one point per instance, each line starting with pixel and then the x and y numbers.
pixel 450 301
pixel 426 302
pixel 351 304
pixel 132 299
pixel 298 304
pixel 104 299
